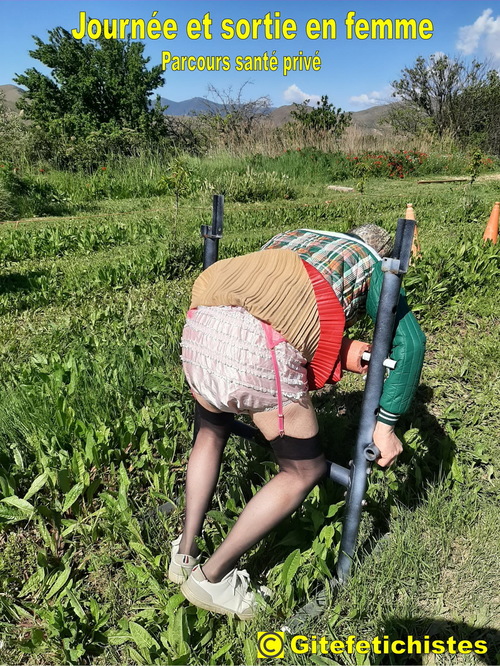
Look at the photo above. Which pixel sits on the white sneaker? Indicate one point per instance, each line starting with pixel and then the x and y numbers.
pixel 230 596
pixel 180 565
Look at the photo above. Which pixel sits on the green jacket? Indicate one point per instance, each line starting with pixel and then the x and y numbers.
pixel 408 347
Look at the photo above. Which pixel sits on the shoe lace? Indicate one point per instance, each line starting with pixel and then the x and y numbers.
pixel 240 579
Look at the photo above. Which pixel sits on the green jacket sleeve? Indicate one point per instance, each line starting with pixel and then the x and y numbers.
pixel 407 350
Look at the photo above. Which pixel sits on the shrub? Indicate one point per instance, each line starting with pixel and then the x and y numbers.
pixel 27 196
pixel 7 211
pixel 181 179
pixel 13 134
pixel 397 164
pixel 324 116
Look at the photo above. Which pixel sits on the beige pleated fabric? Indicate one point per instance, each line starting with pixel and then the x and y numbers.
pixel 273 286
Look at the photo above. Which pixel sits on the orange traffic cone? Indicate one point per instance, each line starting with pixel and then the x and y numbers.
pixel 491 231
pixel 415 247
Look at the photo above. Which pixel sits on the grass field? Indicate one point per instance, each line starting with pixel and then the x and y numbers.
pixel 95 423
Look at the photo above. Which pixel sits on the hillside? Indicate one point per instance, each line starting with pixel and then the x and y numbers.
pixel 367 119
pixel 11 95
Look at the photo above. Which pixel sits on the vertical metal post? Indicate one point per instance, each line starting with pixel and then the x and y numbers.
pixel 393 268
pixel 212 234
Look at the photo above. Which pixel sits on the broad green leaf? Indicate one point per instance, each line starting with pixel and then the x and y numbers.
pixel 333 509
pixel 221 518
pixel 250 651
pixel 137 658
pixel 71 527
pixel 225 648
pixel 326 534
pixel 37 484
pixel 18 457
pixel 59 583
pixel 141 637
pixel 77 607
pixel 362 659
pixel 174 602
pixel 206 638
pixel 142 550
pixel 118 637
pixel 6 487
pixel 33 584
pixel 456 472
pixel 290 567
pixel 72 496
pixel 19 503
pixel 11 515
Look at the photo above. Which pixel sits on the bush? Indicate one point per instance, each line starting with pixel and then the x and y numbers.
pixel 324 116
pixel 7 211
pixel 26 196
pixel 14 133
pixel 181 179
pixel 404 163
pixel 397 164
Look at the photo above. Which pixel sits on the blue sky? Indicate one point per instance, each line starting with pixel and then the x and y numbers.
pixel 355 73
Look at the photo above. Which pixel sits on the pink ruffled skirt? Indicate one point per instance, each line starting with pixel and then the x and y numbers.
pixel 226 359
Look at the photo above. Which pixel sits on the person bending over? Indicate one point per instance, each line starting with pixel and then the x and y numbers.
pixel 262 331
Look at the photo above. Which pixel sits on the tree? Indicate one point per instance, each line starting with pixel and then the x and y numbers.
pixel 13 132
pixel 479 114
pixel 233 116
pixel 91 85
pixel 407 119
pixel 432 88
pixel 324 116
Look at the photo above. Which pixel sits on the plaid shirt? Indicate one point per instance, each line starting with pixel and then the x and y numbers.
pixel 345 262
pixel 354 271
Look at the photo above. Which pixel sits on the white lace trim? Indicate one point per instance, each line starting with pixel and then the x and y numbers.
pixel 240 382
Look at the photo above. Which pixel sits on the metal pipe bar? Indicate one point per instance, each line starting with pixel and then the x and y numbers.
pixel 212 234
pixel 339 474
pixel 365 451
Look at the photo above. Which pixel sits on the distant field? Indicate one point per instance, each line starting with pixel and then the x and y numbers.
pixel 95 423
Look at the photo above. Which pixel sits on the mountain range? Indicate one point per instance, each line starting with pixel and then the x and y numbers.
pixel 367 119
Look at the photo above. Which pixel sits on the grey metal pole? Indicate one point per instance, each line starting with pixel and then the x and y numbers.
pixel 212 234
pixel 365 450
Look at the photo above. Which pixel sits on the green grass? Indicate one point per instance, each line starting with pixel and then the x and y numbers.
pixel 95 425
pixel 41 190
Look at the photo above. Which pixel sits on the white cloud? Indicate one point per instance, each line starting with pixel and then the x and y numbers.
pixel 483 35
pixel 374 97
pixel 295 94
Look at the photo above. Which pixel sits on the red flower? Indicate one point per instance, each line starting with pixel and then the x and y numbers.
pixel 41 170
pixel 103 168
